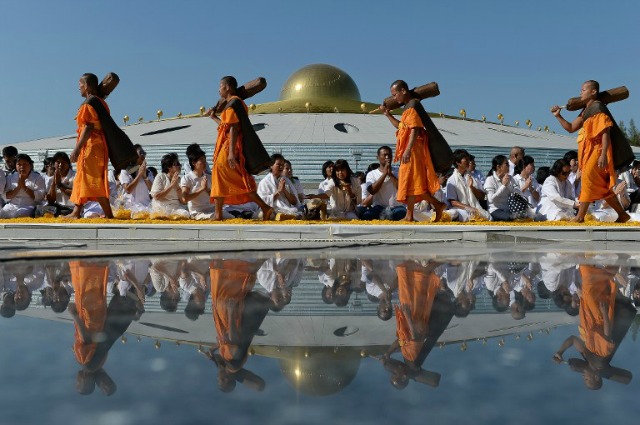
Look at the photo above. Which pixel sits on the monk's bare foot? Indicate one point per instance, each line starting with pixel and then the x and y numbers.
pixel 439 208
pixel 623 218
pixel 267 214
pixel 577 219
pixel 408 219
pixel 72 216
pixel 216 218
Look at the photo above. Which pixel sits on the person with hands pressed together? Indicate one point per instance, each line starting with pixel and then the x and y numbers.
pixel 231 183
pixel 24 189
pixel 382 187
pixel 60 186
pixel 196 186
pixel 277 191
pixel 595 154
pixel 417 179
pixel 166 191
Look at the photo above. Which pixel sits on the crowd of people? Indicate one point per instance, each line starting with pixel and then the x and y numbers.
pixel 581 185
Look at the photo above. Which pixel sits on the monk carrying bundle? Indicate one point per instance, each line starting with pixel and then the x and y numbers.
pixel 596 157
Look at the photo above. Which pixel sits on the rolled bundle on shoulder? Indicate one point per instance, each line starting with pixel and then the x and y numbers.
pixel 421 92
pixel 108 84
pixel 244 92
pixel 606 97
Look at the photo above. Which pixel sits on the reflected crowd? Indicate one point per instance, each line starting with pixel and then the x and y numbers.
pixel 106 298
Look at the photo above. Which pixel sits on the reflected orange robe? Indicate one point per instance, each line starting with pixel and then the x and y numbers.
pixel 597 183
pixel 91 181
pixel 417 289
pixel 231 281
pixel 232 184
pixel 597 286
pixel 417 177
pixel 89 282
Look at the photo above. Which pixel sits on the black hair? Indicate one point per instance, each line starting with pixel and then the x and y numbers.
pixel 194 153
pixel 542 174
pixel 326 165
pixel 400 84
pixel 169 301
pixel 275 157
pixel 557 167
pixel 384 147
pixel 168 160
pixel 459 155
pixel 24 157
pixel 570 155
pixel 495 162
pixel 595 85
pixel 230 81
pixel 9 151
pixel 526 160
pixel 373 166
pixel 61 155
pixel 361 176
pixel 48 161
pixel 153 171
pixel 193 310
pixel 344 165
pixel 92 82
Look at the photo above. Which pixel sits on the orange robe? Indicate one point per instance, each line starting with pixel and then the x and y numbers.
pixel 231 281
pixel 597 287
pixel 417 289
pixel 90 286
pixel 417 177
pixel 91 180
pixel 597 183
pixel 232 184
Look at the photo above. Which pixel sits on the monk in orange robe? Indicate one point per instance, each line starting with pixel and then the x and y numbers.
pixel 91 153
pixel 418 287
pixel 237 315
pixel 417 178
pixel 595 157
pixel 604 321
pixel 230 181
pixel 89 313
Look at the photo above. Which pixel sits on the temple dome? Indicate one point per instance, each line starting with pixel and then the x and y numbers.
pixel 319 81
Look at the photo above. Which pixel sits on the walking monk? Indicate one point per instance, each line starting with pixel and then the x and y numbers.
pixel 595 154
pixel 231 183
pixel 91 154
pixel 417 179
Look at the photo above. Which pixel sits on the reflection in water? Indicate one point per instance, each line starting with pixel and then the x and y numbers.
pixel 605 317
pixel 320 318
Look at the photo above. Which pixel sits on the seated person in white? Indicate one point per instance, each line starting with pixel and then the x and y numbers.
pixel 166 191
pixel 344 191
pixel 382 185
pixel 248 210
pixel 136 187
pixel 459 190
pixel 423 210
pixel 558 200
pixel 24 189
pixel 3 183
pixel 327 172
pixel 288 171
pixel 526 180
pixel 60 185
pixel 277 191
pixel 499 186
pixel 196 187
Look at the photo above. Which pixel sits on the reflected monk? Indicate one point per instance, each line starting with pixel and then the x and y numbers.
pixel 605 318
pixel 97 326
pixel 417 179
pixel 422 316
pixel 91 181
pixel 231 183
pixel 237 314
pixel 595 153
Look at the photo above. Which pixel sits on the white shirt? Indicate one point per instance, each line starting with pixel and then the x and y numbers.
pixel 171 199
pixel 527 193
pixel 386 196
pixel 140 193
pixel 202 202
pixel 34 181
pixel 269 186
pixel 61 198
pixel 557 198
pixel 498 193
pixel 340 198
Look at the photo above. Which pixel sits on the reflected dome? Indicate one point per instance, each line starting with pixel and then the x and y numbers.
pixel 320 81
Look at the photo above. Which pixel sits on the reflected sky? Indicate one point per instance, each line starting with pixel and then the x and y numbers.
pixel 291 336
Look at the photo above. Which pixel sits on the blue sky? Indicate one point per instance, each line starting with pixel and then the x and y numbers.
pixel 489 57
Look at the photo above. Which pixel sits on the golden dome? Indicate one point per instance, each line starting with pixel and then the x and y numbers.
pixel 320 81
